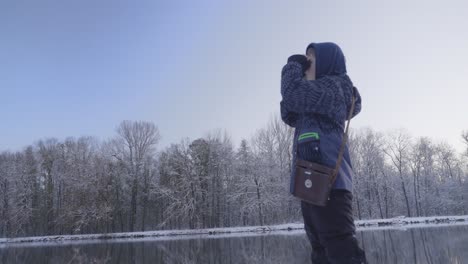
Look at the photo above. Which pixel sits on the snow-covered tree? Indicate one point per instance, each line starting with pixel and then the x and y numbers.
pixel 136 141
pixel 397 150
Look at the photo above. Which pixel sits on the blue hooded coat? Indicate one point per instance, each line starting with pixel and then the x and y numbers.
pixel 318 110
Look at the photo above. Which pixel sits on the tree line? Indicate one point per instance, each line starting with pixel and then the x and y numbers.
pixel 126 183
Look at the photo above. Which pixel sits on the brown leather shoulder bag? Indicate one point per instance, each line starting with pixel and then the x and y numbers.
pixel 313 181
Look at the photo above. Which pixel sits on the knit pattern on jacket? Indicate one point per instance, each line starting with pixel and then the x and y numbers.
pixel 328 99
pixel 322 106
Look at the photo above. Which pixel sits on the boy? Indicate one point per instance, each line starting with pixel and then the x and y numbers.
pixel 317 96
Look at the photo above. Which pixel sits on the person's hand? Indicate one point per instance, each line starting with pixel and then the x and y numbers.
pixel 302 59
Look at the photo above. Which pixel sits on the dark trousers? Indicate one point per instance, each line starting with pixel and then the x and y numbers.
pixel 331 231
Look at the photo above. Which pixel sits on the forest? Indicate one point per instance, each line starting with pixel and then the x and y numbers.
pixel 127 183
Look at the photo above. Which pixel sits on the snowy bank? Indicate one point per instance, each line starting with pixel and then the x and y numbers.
pixel 402 220
pixel 291 228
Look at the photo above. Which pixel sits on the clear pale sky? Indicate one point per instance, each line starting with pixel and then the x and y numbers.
pixel 74 68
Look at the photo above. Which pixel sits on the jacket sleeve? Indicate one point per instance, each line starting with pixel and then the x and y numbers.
pixel 357 104
pixel 329 96
pixel 301 95
pixel 288 117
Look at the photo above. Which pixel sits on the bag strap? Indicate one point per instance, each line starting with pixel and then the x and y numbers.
pixel 343 144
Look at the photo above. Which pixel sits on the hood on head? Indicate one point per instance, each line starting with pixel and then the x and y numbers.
pixel 330 59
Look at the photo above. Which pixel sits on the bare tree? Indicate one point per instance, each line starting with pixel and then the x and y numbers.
pixel 448 182
pixel 179 187
pixel 283 137
pixel 48 153
pixel 31 172
pixel 370 181
pixel 397 150
pixel 244 166
pixel 220 170
pixel 465 140
pixel 135 142
pixel 421 165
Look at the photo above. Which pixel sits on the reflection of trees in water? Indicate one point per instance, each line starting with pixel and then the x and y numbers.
pixel 429 245
pixel 260 249
pixel 76 254
pixel 80 257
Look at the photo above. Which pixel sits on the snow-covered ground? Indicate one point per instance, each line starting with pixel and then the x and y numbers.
pixel 291 228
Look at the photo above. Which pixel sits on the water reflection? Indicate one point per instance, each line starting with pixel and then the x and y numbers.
pixel 422 245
